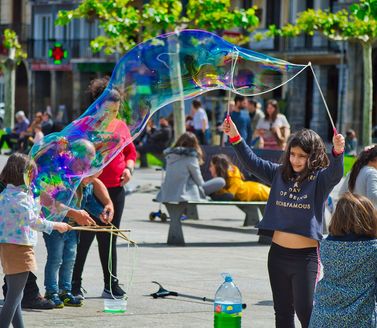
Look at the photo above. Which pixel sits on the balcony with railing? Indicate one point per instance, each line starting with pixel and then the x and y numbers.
pixel 301 49
pixel 302 43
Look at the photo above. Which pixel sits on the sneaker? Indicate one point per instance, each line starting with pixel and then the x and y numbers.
pixel 69 299
pixel 38 303
pixel 115 292
pixel 54 298
pixel 78 292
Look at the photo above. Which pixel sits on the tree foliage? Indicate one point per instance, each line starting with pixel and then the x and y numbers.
pixel 8 66
pixel 125 24
pixel 357 24
pixel 10 41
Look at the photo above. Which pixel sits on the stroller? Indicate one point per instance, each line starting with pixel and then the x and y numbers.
pixel 159 214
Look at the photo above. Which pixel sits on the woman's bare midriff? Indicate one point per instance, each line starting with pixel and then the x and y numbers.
pixel 291 240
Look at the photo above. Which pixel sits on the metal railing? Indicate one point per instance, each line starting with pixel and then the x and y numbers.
pixel 303 43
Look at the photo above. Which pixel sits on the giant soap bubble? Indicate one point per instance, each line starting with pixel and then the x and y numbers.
pixel 150 76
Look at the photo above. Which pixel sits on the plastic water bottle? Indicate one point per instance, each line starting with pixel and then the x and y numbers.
pixel 228 305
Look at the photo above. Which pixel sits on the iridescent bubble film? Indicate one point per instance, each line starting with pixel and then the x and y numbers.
pixel 150 76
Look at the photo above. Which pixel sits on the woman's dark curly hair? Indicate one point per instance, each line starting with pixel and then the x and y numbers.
pixel 363 159
pixel 222 163
pixel 97 87
pixel 312 144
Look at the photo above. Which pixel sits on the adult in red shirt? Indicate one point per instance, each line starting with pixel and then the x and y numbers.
pixel 115 175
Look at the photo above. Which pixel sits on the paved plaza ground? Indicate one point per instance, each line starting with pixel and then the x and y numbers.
pixel 216 243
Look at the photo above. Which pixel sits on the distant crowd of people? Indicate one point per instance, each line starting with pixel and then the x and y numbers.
pixel 24 134
pixel 268 129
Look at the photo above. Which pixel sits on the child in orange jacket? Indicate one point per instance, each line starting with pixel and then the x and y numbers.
pixel 222 166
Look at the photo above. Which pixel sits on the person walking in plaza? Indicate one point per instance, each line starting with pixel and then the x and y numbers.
pixel 183 179
pixel 114 176
pixel 241 190
pixel 241 118
pixel 199 121
pixel 294 215
pixel 19 218
pixel 274 129
pixel 346 295
pixel 255 113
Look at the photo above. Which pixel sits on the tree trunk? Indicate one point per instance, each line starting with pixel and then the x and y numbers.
pixel 368 94
pixel 9 88
pixel 179 106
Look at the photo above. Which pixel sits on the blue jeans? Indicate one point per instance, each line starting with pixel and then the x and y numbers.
pixel 61 257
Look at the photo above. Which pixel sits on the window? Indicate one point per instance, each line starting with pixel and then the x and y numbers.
pixel 64 32
pixel 43 26
pixel 42 34
pixel 89 29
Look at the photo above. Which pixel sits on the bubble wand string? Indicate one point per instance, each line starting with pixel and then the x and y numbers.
pixel 323 99
pixel 109 264
pixel 234 61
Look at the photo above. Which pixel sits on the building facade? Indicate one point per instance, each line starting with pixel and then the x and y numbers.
pixel 61 85
pixel 43 83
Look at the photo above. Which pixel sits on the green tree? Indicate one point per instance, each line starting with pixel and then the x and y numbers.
pixel 358 24
pixel 8 67
pixel 125 24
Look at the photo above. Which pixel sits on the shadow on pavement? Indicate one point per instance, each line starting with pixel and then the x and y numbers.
pixel 200 244
pixel 265 303
pixel 248 230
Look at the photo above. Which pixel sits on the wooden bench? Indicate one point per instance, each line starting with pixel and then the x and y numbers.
pixel 253 214
pixel 253 210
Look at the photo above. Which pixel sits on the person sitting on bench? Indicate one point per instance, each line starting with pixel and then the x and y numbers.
pixel 22 123
pixel 183 179
pixel 156 142
pixel 236 186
